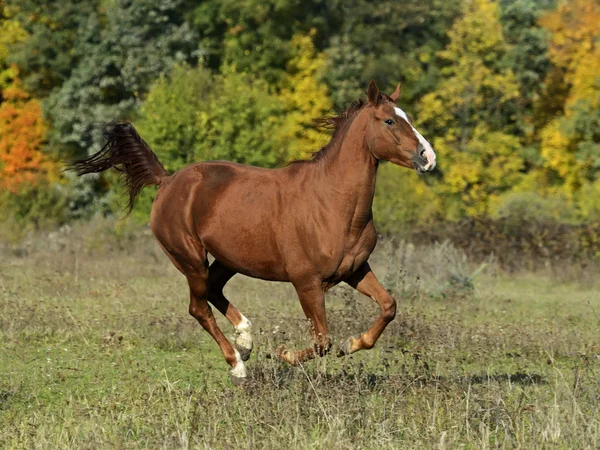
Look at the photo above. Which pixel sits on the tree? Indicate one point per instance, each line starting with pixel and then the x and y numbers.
pixel 304 99
pixel 22 134
pixel 470 113
pixel 22 128
pixel 121 49
pixel 570 144
pixel 240 122
pixel 192 115
pixel 527 54
pixel 527 57
pixel 47 58
pixel 11 33
pixel 256 35
pixel 168 117
pixel 389 41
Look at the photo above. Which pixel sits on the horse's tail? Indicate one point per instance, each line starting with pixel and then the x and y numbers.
pixel 127 152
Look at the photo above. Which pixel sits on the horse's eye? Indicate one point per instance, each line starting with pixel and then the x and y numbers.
pixel 389 122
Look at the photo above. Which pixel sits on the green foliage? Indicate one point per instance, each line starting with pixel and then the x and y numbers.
pixel 519 207
pixel 588 203
pixel 47 58
pixel 389 41
pixel 121 50
pixel 527 54
pixel 402 200
pixel 34 207
pixel 168 117
pixel 239 120
pixel 193 116
pixel 255 35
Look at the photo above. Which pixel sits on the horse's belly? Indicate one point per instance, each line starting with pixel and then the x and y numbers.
pixel 249 252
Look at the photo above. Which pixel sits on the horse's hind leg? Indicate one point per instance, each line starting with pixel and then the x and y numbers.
pixel 201 310
pixel 218 276
pixel 191 260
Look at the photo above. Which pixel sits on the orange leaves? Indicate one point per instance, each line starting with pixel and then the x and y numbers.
pixel 22 133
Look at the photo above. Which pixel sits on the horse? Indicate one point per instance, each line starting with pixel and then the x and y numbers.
pixel 309 223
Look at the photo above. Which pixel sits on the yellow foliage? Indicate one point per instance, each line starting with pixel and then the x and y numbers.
pixel 10 33
pixel 575 49
pixel 558 157
pixel 305 98
pixel 479 161
pixel 575 28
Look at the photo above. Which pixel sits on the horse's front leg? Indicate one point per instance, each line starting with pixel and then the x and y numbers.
pixel 312 299
pixel 365 282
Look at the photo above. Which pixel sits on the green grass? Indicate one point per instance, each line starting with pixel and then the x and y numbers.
pixel 97 351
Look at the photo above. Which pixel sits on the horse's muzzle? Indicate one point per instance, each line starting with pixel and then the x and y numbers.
pixel 420 162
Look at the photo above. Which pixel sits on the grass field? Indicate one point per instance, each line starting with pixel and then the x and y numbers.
pixel 97 351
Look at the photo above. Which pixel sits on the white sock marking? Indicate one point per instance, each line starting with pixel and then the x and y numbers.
pixel 239 370
pixel 244 338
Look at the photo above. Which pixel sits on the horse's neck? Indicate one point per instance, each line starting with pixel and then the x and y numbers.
pixel 349 171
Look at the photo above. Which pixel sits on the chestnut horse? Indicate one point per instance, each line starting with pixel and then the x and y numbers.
pixel 309 223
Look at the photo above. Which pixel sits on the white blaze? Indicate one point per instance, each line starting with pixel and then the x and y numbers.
pixel 429 153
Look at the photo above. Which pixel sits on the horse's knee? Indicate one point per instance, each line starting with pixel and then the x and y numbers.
pixel 388 308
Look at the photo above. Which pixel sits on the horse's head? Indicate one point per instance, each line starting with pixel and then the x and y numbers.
pixel 391 136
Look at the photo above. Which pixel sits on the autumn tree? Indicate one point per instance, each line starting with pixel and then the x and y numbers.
pixel 470 114
pixel 22 134
pixel 22 128
pixel 570 143
pixel 304 98
pixel 28 194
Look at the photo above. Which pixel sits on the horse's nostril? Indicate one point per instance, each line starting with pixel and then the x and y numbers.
pixel 422 153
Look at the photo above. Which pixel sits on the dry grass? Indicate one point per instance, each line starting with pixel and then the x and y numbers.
pixel 97 351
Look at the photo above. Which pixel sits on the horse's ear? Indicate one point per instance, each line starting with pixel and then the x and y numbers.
pixel 373 94
pixel 396 95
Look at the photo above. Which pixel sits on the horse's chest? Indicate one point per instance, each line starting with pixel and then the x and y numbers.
pixel 356 253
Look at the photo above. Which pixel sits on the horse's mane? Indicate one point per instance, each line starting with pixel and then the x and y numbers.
pixel 338 124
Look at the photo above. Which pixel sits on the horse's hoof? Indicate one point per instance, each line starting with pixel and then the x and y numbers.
pixel 345 347
pixel 237 381
pixel 280 352
pixel 238 373
pixel 239 370
pixel 283 354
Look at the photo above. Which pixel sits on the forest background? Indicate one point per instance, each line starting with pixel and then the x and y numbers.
pixel 507 91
